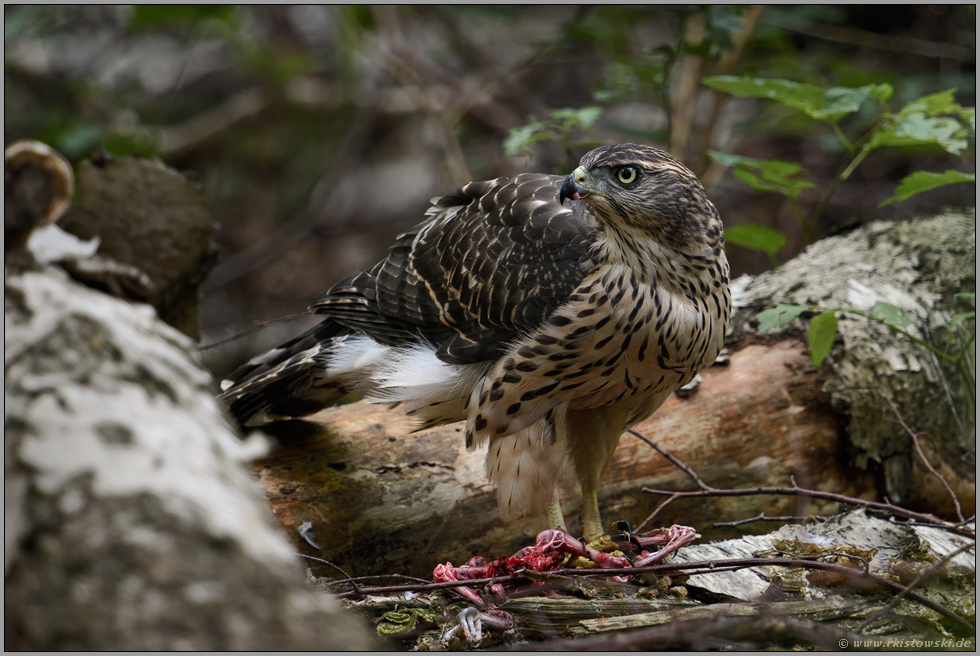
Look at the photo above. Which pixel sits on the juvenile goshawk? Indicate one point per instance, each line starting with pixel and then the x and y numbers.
pixel 549 313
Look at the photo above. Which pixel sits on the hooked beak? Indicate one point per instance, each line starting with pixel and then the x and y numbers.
pixel 572 187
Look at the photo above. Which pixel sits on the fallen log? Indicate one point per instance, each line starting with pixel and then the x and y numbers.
pixel 383 500
pixel 131 521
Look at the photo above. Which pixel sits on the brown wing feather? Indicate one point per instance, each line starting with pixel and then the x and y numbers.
pixel 493 262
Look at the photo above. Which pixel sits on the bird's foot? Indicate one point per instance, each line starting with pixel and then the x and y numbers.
pixel 471 620
pixel 563 542
pixel 604 543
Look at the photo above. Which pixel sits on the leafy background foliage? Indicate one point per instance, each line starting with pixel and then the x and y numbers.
pixel 319 133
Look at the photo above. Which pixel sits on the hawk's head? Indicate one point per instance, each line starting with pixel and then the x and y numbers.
pixel 644 188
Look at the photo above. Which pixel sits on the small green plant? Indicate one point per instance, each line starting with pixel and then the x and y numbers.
pixel 823 331
pixel 934 119
pixel 559 126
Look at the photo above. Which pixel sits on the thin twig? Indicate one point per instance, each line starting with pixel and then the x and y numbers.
pixel 656 511
pixel 356 588
pixel 680 464
pixel 257 325
pixel 177 139
pixel 709 491
pixel 971 533
pixel 761 517
pixel 825 554
pixel 929 571
pixel 375 577
pixel 814 494
pixel 428 587
pixel 858 37
pixel 925 461
pixel 726 67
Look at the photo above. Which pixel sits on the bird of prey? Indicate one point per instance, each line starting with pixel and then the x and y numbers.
pixel 549 313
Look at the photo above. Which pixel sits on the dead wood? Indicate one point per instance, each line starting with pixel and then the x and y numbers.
pixel 131 521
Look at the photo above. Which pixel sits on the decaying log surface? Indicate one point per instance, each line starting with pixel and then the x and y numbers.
pixel 131 520
pixel 149 216
pixel 918 266
pixel 385 501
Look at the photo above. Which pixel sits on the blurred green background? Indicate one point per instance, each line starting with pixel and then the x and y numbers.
pixel 319 133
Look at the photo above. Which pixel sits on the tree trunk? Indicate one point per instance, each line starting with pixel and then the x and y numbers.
pixel 382 500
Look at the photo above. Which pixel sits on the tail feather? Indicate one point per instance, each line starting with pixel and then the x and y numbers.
pixel 318 368
pixel 433 391
pixel 289 391
pixel 275 358
pixel 286 381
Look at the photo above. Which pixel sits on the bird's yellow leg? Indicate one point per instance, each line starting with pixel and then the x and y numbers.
pixel 553 513
pixel 591 521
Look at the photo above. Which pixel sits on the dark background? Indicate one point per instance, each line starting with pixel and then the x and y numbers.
pixel 319 133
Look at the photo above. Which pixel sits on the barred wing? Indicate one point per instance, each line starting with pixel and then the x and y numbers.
pixel 495 259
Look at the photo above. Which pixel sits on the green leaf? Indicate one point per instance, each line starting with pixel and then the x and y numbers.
pixel 924 181
pixel 933 104
pixel 970 295
pixel 755 236
pixel 728 159
pixel 584 118
pixel 523 137
pixel 932 119
pixel 823 104
pixel 961 317
pixel 154 16
pixel 778 316
pixel 823 330
pixel 881 91
pixel 969 115
pixel 841 101
pixel 79 140
pixel 765 174
pixel 917 128
pixel 891 315
pixel 561 123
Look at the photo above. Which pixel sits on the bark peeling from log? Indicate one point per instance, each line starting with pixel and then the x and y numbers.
pixel 918 266
pixel 131 521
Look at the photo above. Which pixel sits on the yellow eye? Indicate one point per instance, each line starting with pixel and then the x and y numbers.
pixel 627 174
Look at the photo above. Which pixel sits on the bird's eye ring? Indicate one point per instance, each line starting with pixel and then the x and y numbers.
pixel 626 174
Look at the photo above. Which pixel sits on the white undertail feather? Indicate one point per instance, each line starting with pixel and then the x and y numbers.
pixel 412 375
pixel 352 360
pixel 526 467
